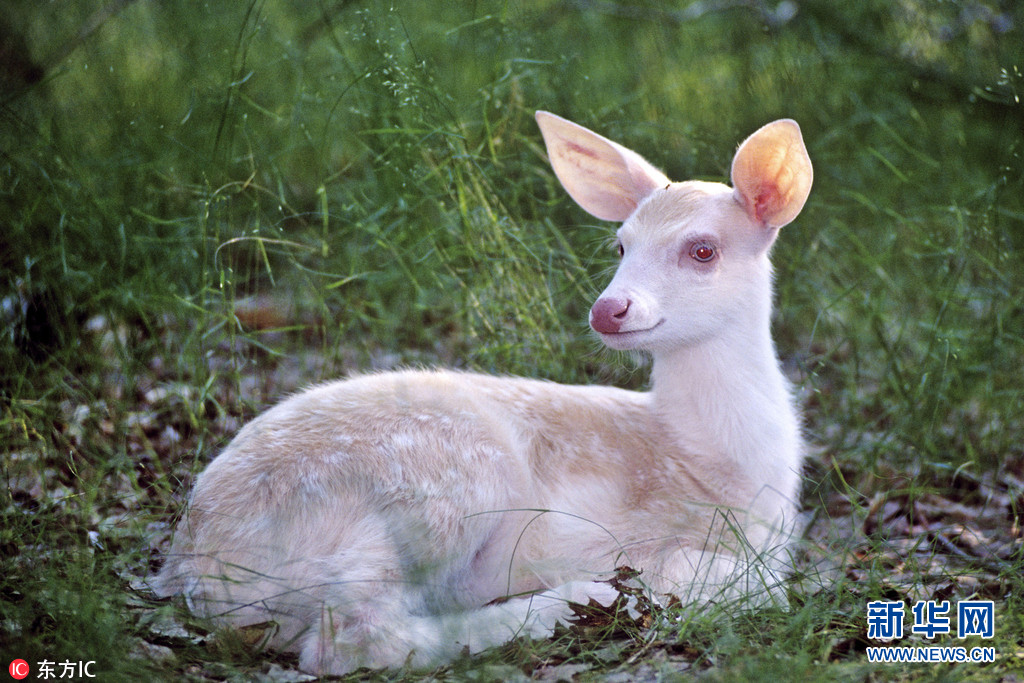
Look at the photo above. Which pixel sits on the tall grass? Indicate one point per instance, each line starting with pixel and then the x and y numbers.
pixel 368 179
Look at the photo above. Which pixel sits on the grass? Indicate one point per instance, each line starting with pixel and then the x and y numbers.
pixel 205 208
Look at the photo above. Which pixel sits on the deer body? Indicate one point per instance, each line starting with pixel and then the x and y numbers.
pixel 375 518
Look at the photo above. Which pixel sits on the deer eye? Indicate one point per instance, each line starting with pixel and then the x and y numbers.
pixel 702 252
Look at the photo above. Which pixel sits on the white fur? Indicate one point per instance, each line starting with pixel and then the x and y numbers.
pixel 376 519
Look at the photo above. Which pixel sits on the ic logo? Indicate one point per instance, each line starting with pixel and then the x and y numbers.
pixel 18 669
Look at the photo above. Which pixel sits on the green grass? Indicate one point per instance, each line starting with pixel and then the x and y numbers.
pixel 373 178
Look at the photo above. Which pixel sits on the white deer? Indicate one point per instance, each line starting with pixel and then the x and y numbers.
pixel 375 520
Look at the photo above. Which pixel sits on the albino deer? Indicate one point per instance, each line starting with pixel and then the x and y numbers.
pixel 376 519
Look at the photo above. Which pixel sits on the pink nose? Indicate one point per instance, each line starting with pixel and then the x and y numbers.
pixel 608 314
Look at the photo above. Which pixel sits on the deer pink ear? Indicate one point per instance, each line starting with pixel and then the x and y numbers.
pixel 772 174
pixel 607 180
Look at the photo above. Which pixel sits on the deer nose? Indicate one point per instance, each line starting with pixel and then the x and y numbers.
pixel 608 314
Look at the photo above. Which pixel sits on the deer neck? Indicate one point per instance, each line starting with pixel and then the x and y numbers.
pixel 727 398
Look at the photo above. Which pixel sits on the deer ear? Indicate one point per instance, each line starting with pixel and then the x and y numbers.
pixel 772 174
pixel 607 180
